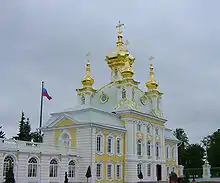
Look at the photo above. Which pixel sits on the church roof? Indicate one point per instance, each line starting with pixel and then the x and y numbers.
pixel 86 114
pixel 169 135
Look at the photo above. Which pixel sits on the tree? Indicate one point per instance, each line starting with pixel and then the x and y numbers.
pixel 194 154
pixel 184 142
pixel 2 134
pixel 24 129
pixel 212 144
pixel 37 137
pixel 9 178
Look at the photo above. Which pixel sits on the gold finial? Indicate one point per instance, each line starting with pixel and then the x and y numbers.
pixel 151 84
pixel 126 44
pixel 120 41
pixel 87 79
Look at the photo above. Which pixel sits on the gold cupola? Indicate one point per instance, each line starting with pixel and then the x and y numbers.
pixel 151 84
pixel 116 59
pixel 88 80
pixel 127 71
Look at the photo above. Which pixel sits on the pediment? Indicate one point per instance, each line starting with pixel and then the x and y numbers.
pixel 64 120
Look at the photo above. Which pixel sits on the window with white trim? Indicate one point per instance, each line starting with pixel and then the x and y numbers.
pixel 98 170
pixel 98 143
pixel 110 144
pixel 148 148
pixel 118 171
pixel 148 170
pixel 173 153
pixel 32 167
pixel 138 168
pixel 109 171
pixel 173 169
pixel 157 149
pixel 8 162
pixel 118 145
pixel 139 144
pixel 53 168
pixel 72 169
pixel 138 127
pixel 168 152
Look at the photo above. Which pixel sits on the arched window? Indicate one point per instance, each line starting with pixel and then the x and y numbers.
pixel 148 148
pixel 123 93
pixel 157 150
pixel 139 148
pixel 8 162
pixel 110 144
pixel 32 167
pixel 53 168
pixel 65 140
pixel 138 168
pixel 72 169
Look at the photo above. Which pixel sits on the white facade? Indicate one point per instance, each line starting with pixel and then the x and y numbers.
pixel 117 110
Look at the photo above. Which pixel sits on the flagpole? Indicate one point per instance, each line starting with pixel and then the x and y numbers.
pixel 41 106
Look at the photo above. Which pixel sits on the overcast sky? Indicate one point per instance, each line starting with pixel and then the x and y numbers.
pixel 48 40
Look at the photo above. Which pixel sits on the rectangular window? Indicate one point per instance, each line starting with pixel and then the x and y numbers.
pixel 173 153
pixel 138 127
pixel 168 153
pixel 98 171
pixel 118 146
pixel 98 144
pixel 149 170
pixel 118 171
pixel 109 171
pixel 109 145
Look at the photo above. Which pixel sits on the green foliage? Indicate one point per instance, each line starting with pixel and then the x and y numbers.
pixel 182 137
pixel 212 144
pixel 37 137
pixel 2 134
pixel 24 129
pixel 9 178
pixel 194 154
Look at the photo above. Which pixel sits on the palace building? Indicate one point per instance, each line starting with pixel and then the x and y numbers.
pixel 118 130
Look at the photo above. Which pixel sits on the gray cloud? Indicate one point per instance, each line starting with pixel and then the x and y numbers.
pixel 48 41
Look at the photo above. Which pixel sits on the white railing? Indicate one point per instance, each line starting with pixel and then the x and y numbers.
pixel 24 146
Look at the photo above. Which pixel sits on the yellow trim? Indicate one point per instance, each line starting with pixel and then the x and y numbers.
pixel 142 118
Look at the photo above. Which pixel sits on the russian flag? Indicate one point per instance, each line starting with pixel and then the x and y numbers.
pixel 45 94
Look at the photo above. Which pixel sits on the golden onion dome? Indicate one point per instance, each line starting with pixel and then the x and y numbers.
pixel 127 71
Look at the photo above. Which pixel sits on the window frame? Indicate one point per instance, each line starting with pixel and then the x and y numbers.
pixel 139 168
pixel 139 127
pixel 100 135
pixel 100 170
pixel 32 168
pixel 54 168
pixel 120 171
pixel 109 164
pixel 72 169
pixel 6 164
pixel 119 138
pixel 123 94
pixel 149 148
pixel 173 153
pixel 139 145
pixel 168 152
pixel 111 137
pixel 149 170
pixel 157 150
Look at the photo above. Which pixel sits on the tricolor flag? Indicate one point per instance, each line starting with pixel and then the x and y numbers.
pixel 45 94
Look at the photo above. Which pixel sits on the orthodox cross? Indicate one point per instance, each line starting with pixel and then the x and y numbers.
pixel 126 44
pixel 119 26
pixel 151 58
pixel 88 56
